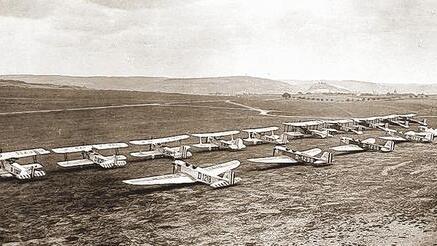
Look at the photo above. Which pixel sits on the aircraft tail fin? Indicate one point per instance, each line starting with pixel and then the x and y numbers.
pixel 327 157
pixel 390 145
pixel 429 137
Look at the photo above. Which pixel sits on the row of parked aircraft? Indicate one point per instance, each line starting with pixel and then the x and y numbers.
pixel 222 175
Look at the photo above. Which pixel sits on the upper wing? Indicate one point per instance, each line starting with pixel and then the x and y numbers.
pixel 312 152
pixel 178 178
pixel 369 141
pixel 110 146
pixel 221 168
pixel 215 134
pixel 274 160
pixel 261 130
pixel 66 150
pixel 347 148
pixel 23 153
pixel 160 140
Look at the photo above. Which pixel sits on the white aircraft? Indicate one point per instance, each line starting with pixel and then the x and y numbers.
pixel 289 156
pixel 90 155
pixel 344 126
pixel 425 129
pixel 306 129
pixel 357 145
pixel 410 118
pixel 10 168
pixel 157 148
pixel 185 173
pixel 394 120
pixel 216 141
pixel 386 129
pixel 411 136
pixel 261 135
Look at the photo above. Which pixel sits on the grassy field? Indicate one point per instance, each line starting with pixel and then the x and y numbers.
pixel 363 199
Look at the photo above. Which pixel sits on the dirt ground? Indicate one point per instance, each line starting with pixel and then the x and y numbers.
pixel 362 199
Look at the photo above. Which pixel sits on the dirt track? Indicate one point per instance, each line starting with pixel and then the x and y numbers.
pixel 363 199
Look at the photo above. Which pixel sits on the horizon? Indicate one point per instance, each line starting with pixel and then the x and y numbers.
pixel 373 41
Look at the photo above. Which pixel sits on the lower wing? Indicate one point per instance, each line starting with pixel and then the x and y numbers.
pixel 347 148
pixel 144 154
pixel 75 163
pixel 178 178
pixel 274 160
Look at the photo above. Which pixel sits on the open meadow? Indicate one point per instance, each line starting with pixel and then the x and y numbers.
pixel 362 199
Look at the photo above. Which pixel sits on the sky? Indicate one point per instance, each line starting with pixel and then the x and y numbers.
pixel 392 41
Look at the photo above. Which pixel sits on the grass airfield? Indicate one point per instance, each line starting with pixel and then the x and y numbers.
pixel 363 199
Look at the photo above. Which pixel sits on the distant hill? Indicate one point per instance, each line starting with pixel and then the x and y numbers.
pixel 214 85
pixel 18 83
pixel 365 87
pixel 323 87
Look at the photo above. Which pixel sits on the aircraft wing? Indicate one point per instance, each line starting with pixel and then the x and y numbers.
pixel 67 150
pixel 274 160
pixel 205 145
pixel 178 178
pixel 160 140
pixel 312 152
pixel 396 139
pixel 34 165
pixel 369 141
pixel 221 168
pixel 110 146
pixel 144 154
pixel 75 163
pixel 294 134
pixel 347 148
pixel 23 153
pixel 215 134
pixel 261 130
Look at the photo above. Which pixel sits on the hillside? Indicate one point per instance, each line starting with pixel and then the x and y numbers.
pixel 214 85
pixel 323 87
pixel 365 87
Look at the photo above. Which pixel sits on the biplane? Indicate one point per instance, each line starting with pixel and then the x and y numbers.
pixel 424 129
pixel 306 129
pixel 9 167
pixel 369 122
pixel 216 176
pixel 411 136
pixel 216 140
pixel 91 156
pixel 386 129
pixel 158 148
pixel 284 155
pixel 339 126
pixel 411 118
pixel 356 145
pixel 265 135
pixel 395 120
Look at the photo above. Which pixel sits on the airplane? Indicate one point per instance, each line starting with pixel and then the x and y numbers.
pixel 186 173
pixel 9 167
pixel 394 120
pixel 370 122
pixel 260 136
pixel 410 118
pixel 344 126
pixel 289 156
pixel 158 149
pixel 424 129
pixel 215 141
pixel 386 129
pixel 306 129
pixel 411 136
pixel 357 145
pixel 91 156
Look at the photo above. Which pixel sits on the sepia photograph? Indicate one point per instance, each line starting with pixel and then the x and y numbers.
pixel 231 122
